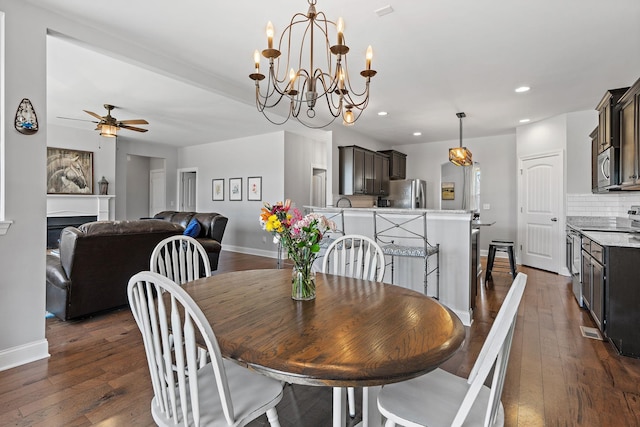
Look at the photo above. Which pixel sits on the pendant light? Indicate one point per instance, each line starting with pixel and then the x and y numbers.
pixel 460 156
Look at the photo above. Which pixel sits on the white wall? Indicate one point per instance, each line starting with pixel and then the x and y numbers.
pixel 22 254
pixel 579 126
pixel 240 158
pixel 301 154
pixel 158 154
pixel 497 159
pixel 137 195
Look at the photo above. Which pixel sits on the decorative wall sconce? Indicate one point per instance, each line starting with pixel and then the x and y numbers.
pixel 26 121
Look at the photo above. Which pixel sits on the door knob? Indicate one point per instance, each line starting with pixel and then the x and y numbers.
pixel 554 219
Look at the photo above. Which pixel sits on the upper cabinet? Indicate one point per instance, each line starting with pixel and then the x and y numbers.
pixel 397 164
pixel 630 138
pixel 608 119
pixel 363 171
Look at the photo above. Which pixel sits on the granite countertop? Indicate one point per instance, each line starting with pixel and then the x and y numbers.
pixel 608 238
pixel 390 210
pixel 607 231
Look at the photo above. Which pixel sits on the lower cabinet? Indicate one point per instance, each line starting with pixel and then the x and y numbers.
pixel 597 293
pixel 622 299
pixel 593 280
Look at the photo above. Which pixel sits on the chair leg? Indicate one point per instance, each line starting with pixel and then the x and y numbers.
pixel 512 262
pixel 492 254
pixel 392 269
pixel 351 400
pixel 438 272
pixel 272 416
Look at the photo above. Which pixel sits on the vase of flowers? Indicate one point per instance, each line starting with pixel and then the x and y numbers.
pixel 300 236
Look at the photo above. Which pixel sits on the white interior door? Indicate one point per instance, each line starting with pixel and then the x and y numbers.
pixel 157 191
pixel 318 187
pixel 540 212
pixel 188 193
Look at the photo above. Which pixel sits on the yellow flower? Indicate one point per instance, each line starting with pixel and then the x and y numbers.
pixel 273 224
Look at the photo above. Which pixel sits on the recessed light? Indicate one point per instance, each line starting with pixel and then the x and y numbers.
pixel 525 120
pixel 417 133
pixel 523 89
pixel 382 113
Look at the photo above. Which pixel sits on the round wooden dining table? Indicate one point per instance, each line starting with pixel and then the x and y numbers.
pixel 355 333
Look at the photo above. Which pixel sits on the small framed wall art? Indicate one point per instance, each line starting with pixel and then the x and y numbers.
pixel 217 189
pixel 448 191
pixel 235 188
pixel 254 188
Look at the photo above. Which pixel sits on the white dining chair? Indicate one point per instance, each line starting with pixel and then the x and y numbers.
pixel 440 398
pixel 356 256
pixel 181 259
pixel 221 393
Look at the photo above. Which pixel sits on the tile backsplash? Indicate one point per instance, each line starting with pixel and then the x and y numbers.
pixel 610 204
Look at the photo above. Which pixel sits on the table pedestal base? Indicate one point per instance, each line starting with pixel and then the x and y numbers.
pixel 371 417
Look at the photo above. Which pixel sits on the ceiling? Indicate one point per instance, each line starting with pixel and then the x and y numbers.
pixel 434 59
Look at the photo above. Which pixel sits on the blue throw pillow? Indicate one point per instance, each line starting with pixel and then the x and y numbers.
pixel 193 229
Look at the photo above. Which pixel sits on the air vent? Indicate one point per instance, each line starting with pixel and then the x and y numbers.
pixel 592 333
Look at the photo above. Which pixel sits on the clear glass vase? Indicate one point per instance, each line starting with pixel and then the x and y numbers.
pixel 303 283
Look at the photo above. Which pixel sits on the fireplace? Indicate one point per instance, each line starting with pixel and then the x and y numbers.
pixel 64 210
pixel 55 225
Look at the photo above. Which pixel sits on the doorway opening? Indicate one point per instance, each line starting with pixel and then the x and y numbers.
pixel 187 189
pixel 319 187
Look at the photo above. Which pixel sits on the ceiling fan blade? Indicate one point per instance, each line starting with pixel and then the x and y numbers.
pixel 91 113
pixel 133 128
pixel 80 120
pixel 134 122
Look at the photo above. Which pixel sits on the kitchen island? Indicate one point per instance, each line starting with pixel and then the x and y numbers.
pixel 451 229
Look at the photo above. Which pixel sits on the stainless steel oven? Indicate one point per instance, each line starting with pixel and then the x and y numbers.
pixel 608 169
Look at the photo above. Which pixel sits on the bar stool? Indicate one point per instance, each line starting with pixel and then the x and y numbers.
pixel 500 246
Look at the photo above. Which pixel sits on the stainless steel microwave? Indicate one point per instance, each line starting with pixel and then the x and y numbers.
pixel 608 169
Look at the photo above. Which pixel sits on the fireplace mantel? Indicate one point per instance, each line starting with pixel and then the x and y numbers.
pixel 79 205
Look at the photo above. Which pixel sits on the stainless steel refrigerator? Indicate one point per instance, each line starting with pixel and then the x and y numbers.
pixel 408 194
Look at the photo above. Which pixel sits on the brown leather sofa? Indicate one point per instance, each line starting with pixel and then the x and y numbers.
pixel 212 226
pixel 96 262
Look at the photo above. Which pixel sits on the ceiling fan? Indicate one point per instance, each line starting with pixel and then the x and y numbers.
pixel 109 125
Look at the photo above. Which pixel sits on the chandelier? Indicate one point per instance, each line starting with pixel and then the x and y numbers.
pixel 296 78
pixel 460 156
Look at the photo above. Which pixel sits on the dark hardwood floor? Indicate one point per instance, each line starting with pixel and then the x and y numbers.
pixel 97 373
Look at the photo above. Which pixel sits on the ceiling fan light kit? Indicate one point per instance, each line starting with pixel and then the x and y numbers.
pixel 460 156
pixel 303 85
pixel 108 126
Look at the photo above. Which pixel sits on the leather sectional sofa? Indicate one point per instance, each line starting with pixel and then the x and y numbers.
pixel 96 261
pixel 212 226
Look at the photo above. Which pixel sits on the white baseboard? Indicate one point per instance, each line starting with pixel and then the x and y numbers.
pixel 23 354
pixel 251 251
pixel 465 316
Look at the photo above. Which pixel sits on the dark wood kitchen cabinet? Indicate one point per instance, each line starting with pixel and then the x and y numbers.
pixel 362 171
pixel 381 171
pixel 630 138
pixel 622 299
pixel 608 119
pixel 397 164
